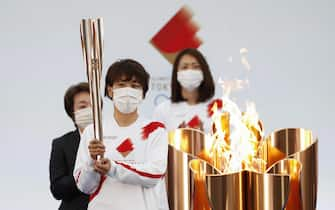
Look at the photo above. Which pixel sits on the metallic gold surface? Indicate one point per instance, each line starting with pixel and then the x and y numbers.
pixel 289 180
pixel 248 190
pixel 293 168
pixel 199 170
pixel 184 146
pixel 298 143
pixel 92 43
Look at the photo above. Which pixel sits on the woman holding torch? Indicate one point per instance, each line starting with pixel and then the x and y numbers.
pixel 133 151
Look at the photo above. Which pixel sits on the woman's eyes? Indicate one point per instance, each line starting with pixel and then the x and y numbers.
pixel 195 66
pixel 121 84
pixel 136 86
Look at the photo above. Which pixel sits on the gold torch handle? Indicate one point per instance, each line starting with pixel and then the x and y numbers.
pixel 92 43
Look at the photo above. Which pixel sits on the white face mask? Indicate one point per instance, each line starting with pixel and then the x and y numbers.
pixel 190 79
pixel 83 117
pixel 127 99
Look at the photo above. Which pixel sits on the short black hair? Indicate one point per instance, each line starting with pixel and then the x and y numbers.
pixel 207 86
pixel 70 93
pixel 130 69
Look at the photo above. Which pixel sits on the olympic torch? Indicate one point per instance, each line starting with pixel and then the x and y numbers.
pixel 92 43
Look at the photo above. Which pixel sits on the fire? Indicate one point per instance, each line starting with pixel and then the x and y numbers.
pixel 178 140
pixel 244 60
pixel 236 137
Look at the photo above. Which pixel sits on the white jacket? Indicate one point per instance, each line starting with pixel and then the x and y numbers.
pixel 174 114
pixel 138 155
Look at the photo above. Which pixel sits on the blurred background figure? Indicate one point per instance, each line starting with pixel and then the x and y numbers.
pixel 192 87
pixel 64 150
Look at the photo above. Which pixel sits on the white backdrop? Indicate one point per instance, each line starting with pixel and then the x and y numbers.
pixel 291 52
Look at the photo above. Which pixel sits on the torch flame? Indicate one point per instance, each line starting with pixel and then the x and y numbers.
pixel 236 137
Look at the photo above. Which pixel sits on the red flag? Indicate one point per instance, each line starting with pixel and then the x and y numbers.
pixel 177 34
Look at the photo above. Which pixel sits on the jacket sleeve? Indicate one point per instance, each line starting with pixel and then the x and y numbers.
pixel 150 172
pixel 87 179
pixel 62 183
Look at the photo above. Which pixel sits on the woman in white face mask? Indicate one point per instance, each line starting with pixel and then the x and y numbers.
pixel 63 187
pixel 134 149
pixel 192 87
